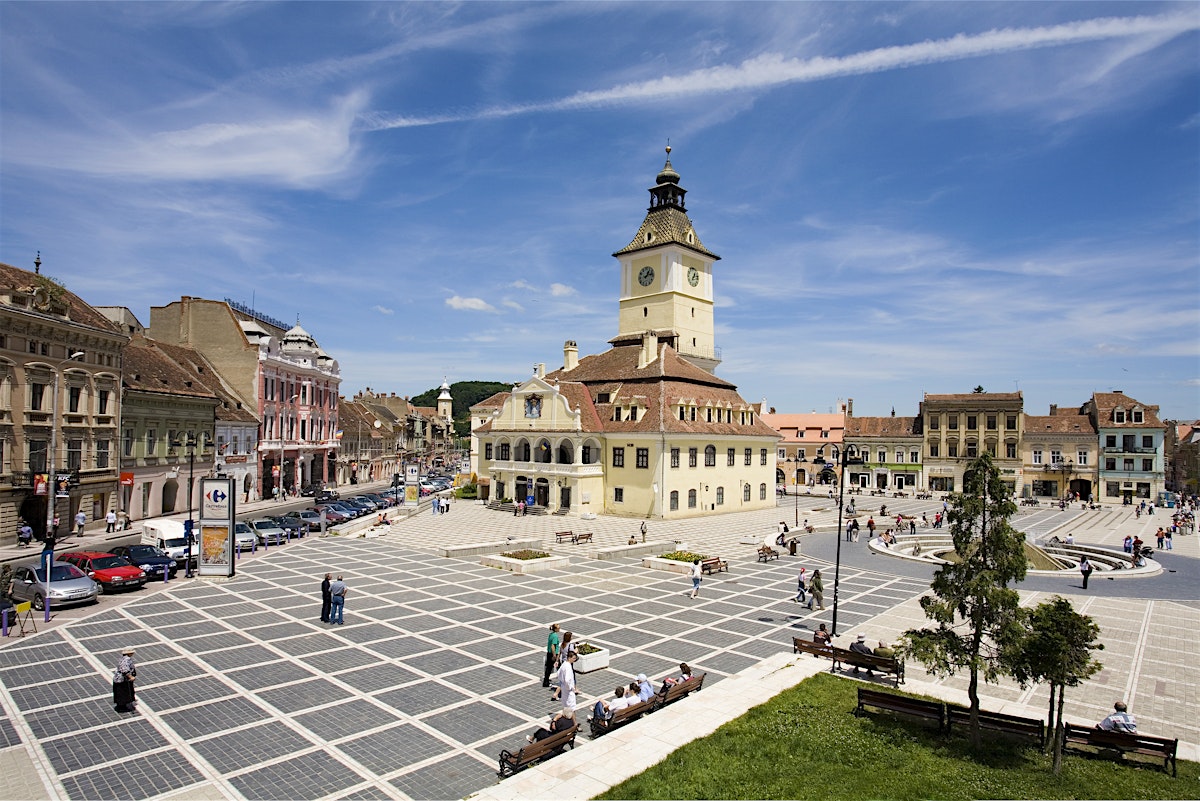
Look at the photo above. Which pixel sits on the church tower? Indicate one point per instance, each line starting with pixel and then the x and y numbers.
pixel 445 404
pixel 666 277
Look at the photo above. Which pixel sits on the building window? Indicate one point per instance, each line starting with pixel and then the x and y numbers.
pixel 972 450
pixel 933 450
pixel 800 453
pixel 74 395
pixel 710 456
pixel 102 448
pixel 682 413
pixel 487 451
pixel 1055 456
pixel 128 442
pixel 1119 416
pixel 693 414
pixel 675 499
pixel 824 434
pixel 731 456
pixel 1148 442
pixel 781 454
pixel 1037 455
pixel 1110 464
pixel 692 454
pixel 103 401
pixel 74 454
pixel 762 492
pixel 991 422
pixel 720 496
pixel 643 458
pixel 1010 422
pixel 746 493
pixel 1137 416
pixel 37 393
pixel 619 495
pixel 1147 465
pixel 691 499
pixel 749 452
pixel 914 456
pixel 1110 441
pixel 991 449
pixel 882 456
pixel 151 442
pixel 1010 450
pixel 1128 465
pixel 934 423
pixel 602 397
pixel 708 415
pixel 952 451
pixel 674 457
pixel 37 455
pixel 1081 458
pixel 953 422
pixel 899 456
pixel 762 456
pixel 972 421
pixel 633 413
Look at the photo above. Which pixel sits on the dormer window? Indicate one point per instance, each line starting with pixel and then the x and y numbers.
pixel 1119 415
pixel 1137 416
pixel 633 413
pixel 602 397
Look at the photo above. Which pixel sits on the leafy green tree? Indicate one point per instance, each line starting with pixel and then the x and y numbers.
pixel 465 394
pixel 1056 649
pixel 978 389
pixel 978 615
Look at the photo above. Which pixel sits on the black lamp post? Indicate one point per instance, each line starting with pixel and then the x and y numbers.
pixel 796 486
pixel 189 442
pixel 846 460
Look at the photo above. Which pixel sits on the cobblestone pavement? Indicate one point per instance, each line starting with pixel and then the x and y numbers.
pixel 244 693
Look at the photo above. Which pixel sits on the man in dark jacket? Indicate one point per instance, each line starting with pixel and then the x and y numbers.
pixel 326 598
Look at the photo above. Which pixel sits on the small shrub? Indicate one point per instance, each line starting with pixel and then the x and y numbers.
pixel 525 554
pixel 586 648
pixel 683 556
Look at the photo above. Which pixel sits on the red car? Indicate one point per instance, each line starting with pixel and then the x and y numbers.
pixel 111 572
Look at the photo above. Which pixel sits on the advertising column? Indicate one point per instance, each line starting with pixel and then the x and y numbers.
pixel 217 510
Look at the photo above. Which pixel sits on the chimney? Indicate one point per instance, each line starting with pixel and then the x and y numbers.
pixel 570 356
pixel 1053 409
pixel 539 369
pixel 649 350
pixel 850 408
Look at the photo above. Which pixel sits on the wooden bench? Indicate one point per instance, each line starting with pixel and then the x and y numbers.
pixel 621 717
pixel 584 537
pixel 997 721
pixel 713 565
pixel 1122 743
pixel 767 553
pixel 884 664
pixel 670 693
pixel 572 537
pixel 901 704
pixel 553 745
pixel 800 646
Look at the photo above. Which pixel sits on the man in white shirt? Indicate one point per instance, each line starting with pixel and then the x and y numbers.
pixel 566 680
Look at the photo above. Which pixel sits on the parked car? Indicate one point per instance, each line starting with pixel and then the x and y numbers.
pixel 68 586
pixel 244 536
pixel 364 502
pixel 346 509
pixel 150 559
pixel 290 525
pixel 309 516
pixel 110 572
pixel 268 531
pixel 326 495
pixel 379 497
pixel 332 516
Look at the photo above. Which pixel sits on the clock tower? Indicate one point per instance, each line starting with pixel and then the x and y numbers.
pixel 666 277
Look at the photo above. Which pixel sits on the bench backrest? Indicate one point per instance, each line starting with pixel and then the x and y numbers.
pixel 961 715
pixel 810 647
pixel 631 712
pixel 846 655
pixel 1121 739
pixel 890 701
pixel 676 691
pixel 564 533
pixel 539 748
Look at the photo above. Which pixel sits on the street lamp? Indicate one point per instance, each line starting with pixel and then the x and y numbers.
pixel 52 480
pixel 279 485
pixel 189 442
pixel 796 486
pixel 847 459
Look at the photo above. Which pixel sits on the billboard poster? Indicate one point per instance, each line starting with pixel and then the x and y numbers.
pixel 217 514
pixel 411 494
pixel 214 550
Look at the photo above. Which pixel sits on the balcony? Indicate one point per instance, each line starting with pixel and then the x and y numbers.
pixel 1122 449
pixel 547 469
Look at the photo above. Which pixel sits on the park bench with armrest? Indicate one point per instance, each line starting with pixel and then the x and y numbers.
pixel 1122 742
pixel 901 704
pixel 538 750
pixel 713 565
pixel 766 553
pixel 800 646
pixel 670 693
pixel 997 721
pixel 601 726
pixel 884 664
pixel 572 537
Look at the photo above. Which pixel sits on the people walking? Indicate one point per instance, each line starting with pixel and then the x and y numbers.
pixel 337 597
pixel 1085 568
pixel 123 678
pixel 110 521
pixel 326 597
pixel 802 586
pixel 80 522
pixel 697 576
pixel 566 681
pixel 552 643
pixel 817 589
pixel 643 531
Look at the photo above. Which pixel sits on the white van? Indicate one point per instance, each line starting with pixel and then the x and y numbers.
pixel 168 537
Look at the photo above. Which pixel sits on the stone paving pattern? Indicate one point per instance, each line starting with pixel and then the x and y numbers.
pixel 244 693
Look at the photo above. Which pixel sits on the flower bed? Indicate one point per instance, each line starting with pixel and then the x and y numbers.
pixel 674 561
pixel 526 564
pixel 591 657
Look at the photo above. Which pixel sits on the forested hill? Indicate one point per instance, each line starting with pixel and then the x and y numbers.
pixel 466 394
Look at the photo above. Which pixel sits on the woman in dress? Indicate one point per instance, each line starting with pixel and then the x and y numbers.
pixel 123 678
pixel 565 650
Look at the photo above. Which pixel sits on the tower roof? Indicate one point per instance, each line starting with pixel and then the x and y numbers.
pixel 666 220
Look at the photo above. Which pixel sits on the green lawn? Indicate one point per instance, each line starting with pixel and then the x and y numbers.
pixel 806 744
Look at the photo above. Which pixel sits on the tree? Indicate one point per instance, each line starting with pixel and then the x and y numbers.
pixel 978 616
pixel 1057 649
pixel 978 389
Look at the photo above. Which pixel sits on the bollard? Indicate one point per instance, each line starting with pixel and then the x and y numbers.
pixel 238 553
pixel 166 573
pixel 4 622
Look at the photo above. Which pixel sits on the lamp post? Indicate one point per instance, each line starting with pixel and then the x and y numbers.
pixel 837 566
pixel 52 480
pixel 279 487
pixel 189 442
pixel 796 486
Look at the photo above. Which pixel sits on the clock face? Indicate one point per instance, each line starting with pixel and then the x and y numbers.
pixel 693 276
pixel 646 276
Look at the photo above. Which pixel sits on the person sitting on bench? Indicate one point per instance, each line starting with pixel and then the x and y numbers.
pixel 860 646
pixel 562 720
pixel 821 636
pixel 645 690
pixel 685 673
pixel 1119 720
pixel 603 710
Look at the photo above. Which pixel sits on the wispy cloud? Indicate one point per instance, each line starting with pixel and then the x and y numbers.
pixel 383 310
pixel 772 70
pixel 562 290
pixel 469 304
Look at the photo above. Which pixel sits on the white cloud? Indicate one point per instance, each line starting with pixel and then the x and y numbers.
pixel 469 304
pixel 521 283
pixel 772 70
pixel 562 290
pixel 512 304
pixel 383 310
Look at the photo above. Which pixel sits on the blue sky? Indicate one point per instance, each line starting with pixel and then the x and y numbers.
pixel 907 198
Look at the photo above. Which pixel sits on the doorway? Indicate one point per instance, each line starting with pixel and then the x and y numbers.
pixel 564 498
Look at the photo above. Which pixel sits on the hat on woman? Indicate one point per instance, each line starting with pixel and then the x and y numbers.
pixel 127 651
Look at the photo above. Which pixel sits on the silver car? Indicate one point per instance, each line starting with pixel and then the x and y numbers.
pixel 68 586
pixel 268 531
pixel 244 536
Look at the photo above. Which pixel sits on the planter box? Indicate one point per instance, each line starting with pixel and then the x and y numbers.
pixel 598 660
pixel 526 565
pixel 658 563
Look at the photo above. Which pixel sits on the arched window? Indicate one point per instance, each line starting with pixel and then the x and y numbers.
pixel 746 492
pixel 710 456
pixel 505 452
pixel 762 492
pixel 720 496
pixel 674 500
pixel 691 499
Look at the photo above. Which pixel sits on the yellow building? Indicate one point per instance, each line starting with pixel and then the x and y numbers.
pixel 644 429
